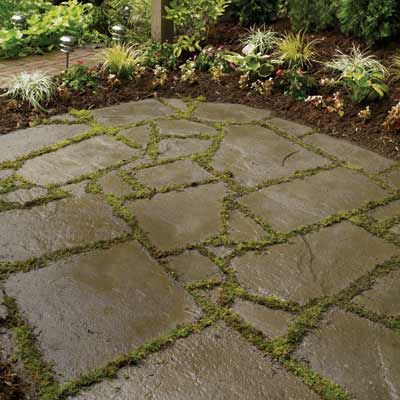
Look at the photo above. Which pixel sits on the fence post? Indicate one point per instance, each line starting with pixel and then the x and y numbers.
pixel 161 29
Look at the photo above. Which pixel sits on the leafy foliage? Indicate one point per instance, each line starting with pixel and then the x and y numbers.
pixel 35 88
pixel 192 19
pixel 372 20
pixel 44 30
pixel 262 40
pixel 361 74
pixel 312 15
pixel 254 65
pixel 80 78
pixel 250 12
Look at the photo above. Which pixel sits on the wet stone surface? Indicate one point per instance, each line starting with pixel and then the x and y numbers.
pixel 58 225
pixel 270 322
pixel 315 265
pixel 192 266
pixel 130 113
pixel 170 148
pixel 102 304
pixel 154 245
pixel 255 155
pixel 306 201
pixel 214 365
pixel 26 141
pixel 184 128
pixel 357 354
pixel 76 160
pixel 171 221
pixel 176 173
pixel 229 112
pixel 352 154
pixel 383 297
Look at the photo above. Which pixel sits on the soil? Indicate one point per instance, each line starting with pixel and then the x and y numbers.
pixel 369 134
pixel 10 386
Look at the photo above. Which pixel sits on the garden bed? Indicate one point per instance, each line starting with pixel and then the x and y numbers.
pixel 369 134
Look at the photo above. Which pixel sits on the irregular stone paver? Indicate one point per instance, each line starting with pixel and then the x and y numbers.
pixel 271 322
pixel 356 353
pixel 78 159
pixel 216 364
pixel 130 113
pixel 93 307
pixel 58 225
pixel 220 251
pixel 171 148
pixel 3 308
pixel 6 173
pixel 176 103
pixel 292 128
pixel 241 228
pixel 395 229
pixel 138 134
pixel 350 153
pixel 23 196
pixel 176 173
pixel 256 154
pixel 393 178
pixel 306 201
pixel 318 264
pixel 113 183
pixel 183 128
pixel 229 112
pixel 192 266
pixel 389 211
pixel 25 141
pixel 177 218
pixel 384 297
pixel 76 189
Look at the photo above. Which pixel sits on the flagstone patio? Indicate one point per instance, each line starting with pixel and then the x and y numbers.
pixel 171 250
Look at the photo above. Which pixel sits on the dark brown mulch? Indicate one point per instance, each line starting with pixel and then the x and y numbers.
pixel 368 134
pixel 10 385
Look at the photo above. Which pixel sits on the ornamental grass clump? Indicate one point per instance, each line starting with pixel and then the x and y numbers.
pixel 295 51
pixel 123 61
pixel 360 73
pixel 260 41
pixel 35 88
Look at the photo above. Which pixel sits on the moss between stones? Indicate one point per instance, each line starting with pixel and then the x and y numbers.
pixel 281 348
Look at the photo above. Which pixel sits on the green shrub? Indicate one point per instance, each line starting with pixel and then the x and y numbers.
pixel 250 12
pixel 371 20
pixel 312 15
pixel 44 30
pixel 80 78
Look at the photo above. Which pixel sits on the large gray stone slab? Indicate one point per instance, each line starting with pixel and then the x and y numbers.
pixel 316 265
pixel 138 134
pixel 192 266
pixel 229 112
pixel 78 159
pixel 254 155
pixel 129 113
pixel 243 229
pixel 176 103
pixel 290 127
pixel 270 322
pixel 76 189
pixel 113 183
pixel 23 196
pixel 393 178
pixel 308 200
pixel 384 297
pixel 389 211
pixel 176 173
pixel 175 219
pixel 357 354
pixel 57 225
pixel 170 148
pixel 90 308
pixel 6 173
pixel 350 153
pixel 216 364
pixel 183 128
pixel 19 143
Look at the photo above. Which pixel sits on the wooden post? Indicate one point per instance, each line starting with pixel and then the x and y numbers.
pixel 161 28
